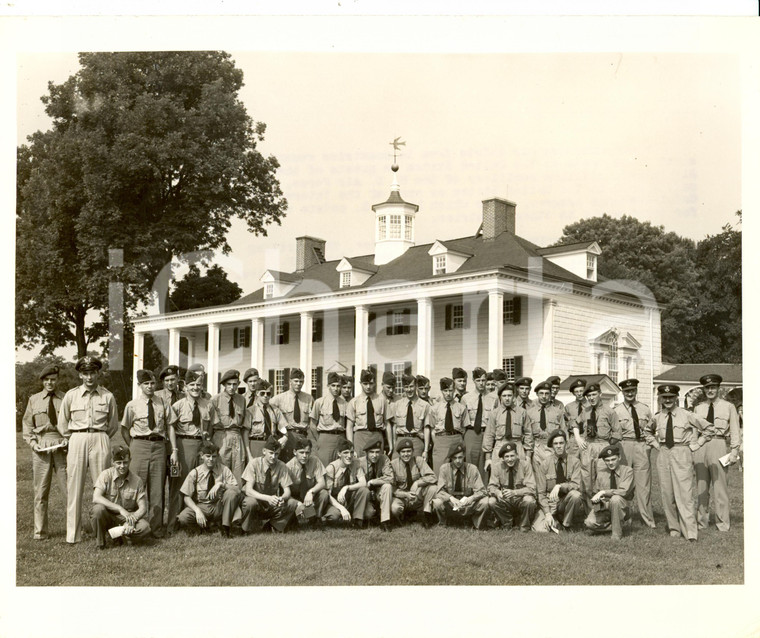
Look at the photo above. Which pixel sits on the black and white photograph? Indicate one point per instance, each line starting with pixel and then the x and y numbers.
pixel 333 314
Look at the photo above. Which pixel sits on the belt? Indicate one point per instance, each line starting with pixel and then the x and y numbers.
pixel 88 430
pixel 454 433
pixel 189 436
pixel 151 437
pixel 675 444
pixel 331 431
pixel 257 437
pixel 232 429
pixel 297 428
pixel 722 438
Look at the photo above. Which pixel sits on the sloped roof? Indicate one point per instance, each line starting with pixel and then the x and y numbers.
pixel 395 198
pixel 564 248
pixel 362 263
pixel 691 372
pixel 590 378
pixel 287 277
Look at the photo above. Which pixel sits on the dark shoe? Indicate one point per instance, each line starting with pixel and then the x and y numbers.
pixel 428 520
pixel 118 542
pixel 385 526
pixel 102 545
pixel 692 540
pixel 357 523
pixel 224 531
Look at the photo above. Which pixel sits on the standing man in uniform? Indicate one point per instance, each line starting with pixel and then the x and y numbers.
pixel 308 486
pixel 389 386
pixel 346 387
pixel 346 483
pixel 554 383
pixel 88 419
pixel 612 491
pixel 379 475
pixel 266 421
pixel 460 383
pixel 169 393
pixel 543 418
pixel 460 492
pixel 231 435
pixel 296 407
pixel 414 483
pixel 423 388
pixel 448 421
pixel 479 407
pixel 507 423
pixel 679 433
pixel 145 427
pixel 200 370
pixel 512 489
pixel 196 419
pixel 600 428
pixel 573 411
pixel 328 416
pixel 251 379
pixel 637 430
pixel 48 446
pixel 409 417
pixel 558 483
pixel 366 415
pixel 523 385
pixel 724 428
pixel 490 383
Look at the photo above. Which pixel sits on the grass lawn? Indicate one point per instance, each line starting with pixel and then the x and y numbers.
pixel 451 556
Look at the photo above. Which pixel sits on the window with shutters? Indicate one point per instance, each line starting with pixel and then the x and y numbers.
pixel 279 381
pixel 439 265
pixel 457 316
pixel 508 365
pixel 394 227
pixel 316 330
pixel 280 333
pixel 345 279
pixel 612 354
pixel 241 337
pixel 512 310
pixel 590 265
pixel 397 368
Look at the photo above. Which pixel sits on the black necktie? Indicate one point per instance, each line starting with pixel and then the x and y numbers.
pixel 370 415
pixel 479 415
pixel 543 417
pixel 449 422
pixel 268 486
pixel 613 481
pixel 251 400
pixel 636 428
pixel 196 416
pixel 711 413
pixel 409 481
pixel 409 418
pixel 592 423
pixel 370 471
pixel 346 477
pixel 51 410
pixel 210 483
pixel 267 421
pixel 525 404
pixel 151 416
pixel 669 439
pixel 560 472
pixel 175 396
pixel 296 410
pixel 511 484
pixel 508 429
pixel 336 412
pixel 231 410
pixel 458 483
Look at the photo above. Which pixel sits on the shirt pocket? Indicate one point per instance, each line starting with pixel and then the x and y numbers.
pixel 129 498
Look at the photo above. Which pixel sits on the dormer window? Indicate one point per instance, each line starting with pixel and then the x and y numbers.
pixel 439 265
pixel 268 291
pixel 590 265
pixel 345 279
pixel 446 258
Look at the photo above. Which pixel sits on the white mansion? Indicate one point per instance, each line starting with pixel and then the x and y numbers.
pixel 491 299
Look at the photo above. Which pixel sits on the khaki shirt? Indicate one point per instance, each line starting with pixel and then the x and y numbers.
pixel 82 409
pixel 196 482
pixel 311 471
pixel 472 484
pixel 381 470
pixel 726 421
pixel 335 471
pixel 356 412
pixel 459 413
pixel 572 412
pixel 240 419
pixel 285 402
pixel 420 417
pixel 623 478
pixel 258 424
pixel 322 413
pixel 184 425
pixel 126 492
pixel 525 482
pixel 420 471
pixel 607 426
pixel 255 473
pixel 688 428
pixel 546 479
pixel 496 431
pixel 646 423
pixel 135 418
pixel 470 400
pixel 555 420
pixel 36 422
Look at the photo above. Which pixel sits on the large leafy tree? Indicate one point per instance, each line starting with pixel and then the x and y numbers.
pixel 200 291
pixel 152 154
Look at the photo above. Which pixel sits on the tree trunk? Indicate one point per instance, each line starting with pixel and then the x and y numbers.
pixel 81 338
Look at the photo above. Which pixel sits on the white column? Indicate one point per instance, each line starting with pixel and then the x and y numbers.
pixel 547 341
pixel 495 330
pixel 307 324
pixel 361 344
pixel 173 346
pixel 212 366
pixel 257 345
pixel 424 336
pixel 138 359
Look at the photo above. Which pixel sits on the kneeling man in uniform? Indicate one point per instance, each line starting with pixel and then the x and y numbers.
pixel 612 491
pixel 512 489
pixel 558 483
pixel 461 493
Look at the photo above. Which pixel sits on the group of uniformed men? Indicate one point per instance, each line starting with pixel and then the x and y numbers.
pixel 491 456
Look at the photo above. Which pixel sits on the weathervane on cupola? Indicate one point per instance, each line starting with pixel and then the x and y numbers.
pixel 394 218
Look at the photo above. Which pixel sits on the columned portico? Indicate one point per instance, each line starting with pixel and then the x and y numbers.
pixel 424 335
pixel 495 329
pixel 361 344
pixel 212 366
pixel 138 359
pixel 307 325
pixel 547 342
pixel 174 346
pixel 257 344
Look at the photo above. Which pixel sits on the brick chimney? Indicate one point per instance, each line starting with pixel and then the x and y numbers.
pixel 310 251
pixel 498 216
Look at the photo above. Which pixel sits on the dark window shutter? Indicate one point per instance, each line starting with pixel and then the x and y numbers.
pixel 389 323
pixel 518 367
pixel 373 367
pixel 371 324
pixel 354 325
pixel 465 316
pixel 317 332
pixel 235 337
pixel 407 367
pixel 407 327
pixel 316 391
pixel 247 337
pixel 448 316
pixel 285 332
pixel 220 339
pixel 353 371
pixel 516 310
pixel 286 378
pixel 205 341
pixel 387 367
pixel 274 334
pixel 271 379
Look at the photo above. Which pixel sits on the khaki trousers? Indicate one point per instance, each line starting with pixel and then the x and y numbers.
pixel 424 502
pixel 473 445
pixel 327 447
pixel 87 450
pixel 257 512
pixel 443 443
pixel 357 502
pixel 364 438
pixel 517 511
pixel 44 464
pixel 566 510
pixel 187 451
pixel 675 468
pixel 711 472
pixel 615 512
pixel 636 455
pixel 149 463
pixel 476 511
pixel 381 497
pixel 231 451
pixel 102 520
pixel 221 510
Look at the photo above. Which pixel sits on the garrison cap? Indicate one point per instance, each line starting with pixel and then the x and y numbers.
pixel 333 377
pixel 668 390
pixel 489 376
pixel 554 435
pixel 49 370
pixel 301 442
pixel 422 380
pixel 408 379
pixel 167 371
pixel 192 375
pixel 458 373
pixel 367 376
pixel 272 444
pixel 251 372
pixel 88 363
pixel 262 385
pixel 524 381
pixel 479 372
pixel 627 384
pixel 445 383
pixel 506 386
pixel 594 387
pixel 578 383
pixel 555 380
pixel 456 449
pixel 544 385
pixel 404 443
pixel 389 378
pixel 343 445
pixel 610 450
pixel 346 378
pixel 197 367
pixel 711 379
pixel 499 375
pixel 377 445
pixel 507 447
pixel 230 375
pixel 296 373
pixel 143 376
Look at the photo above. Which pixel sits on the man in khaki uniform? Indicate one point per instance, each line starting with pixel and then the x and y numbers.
pixel 265 419
pixel 169 392
pixel 366 414
pixel 328 416
pixel 379 475
pixel 679 434
pixel 523 385
pixel 479 407
pixel 572 411
pixel 612 492
pixel 448 421
pixel 88 419
pixel 512 489
pixel 48 446
pixel 543 418
pixel 724 430
pixel 409 418
pixel 251 379
pixel 414 483
pixel 459 375
pixel 296 408
pixel 637 430
pixel 554 384
pixel 558 483
pixel 460 492
pixel 308 489
pixel 346 387
pixel 506 423
pixel 346 483
pixel 231 435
